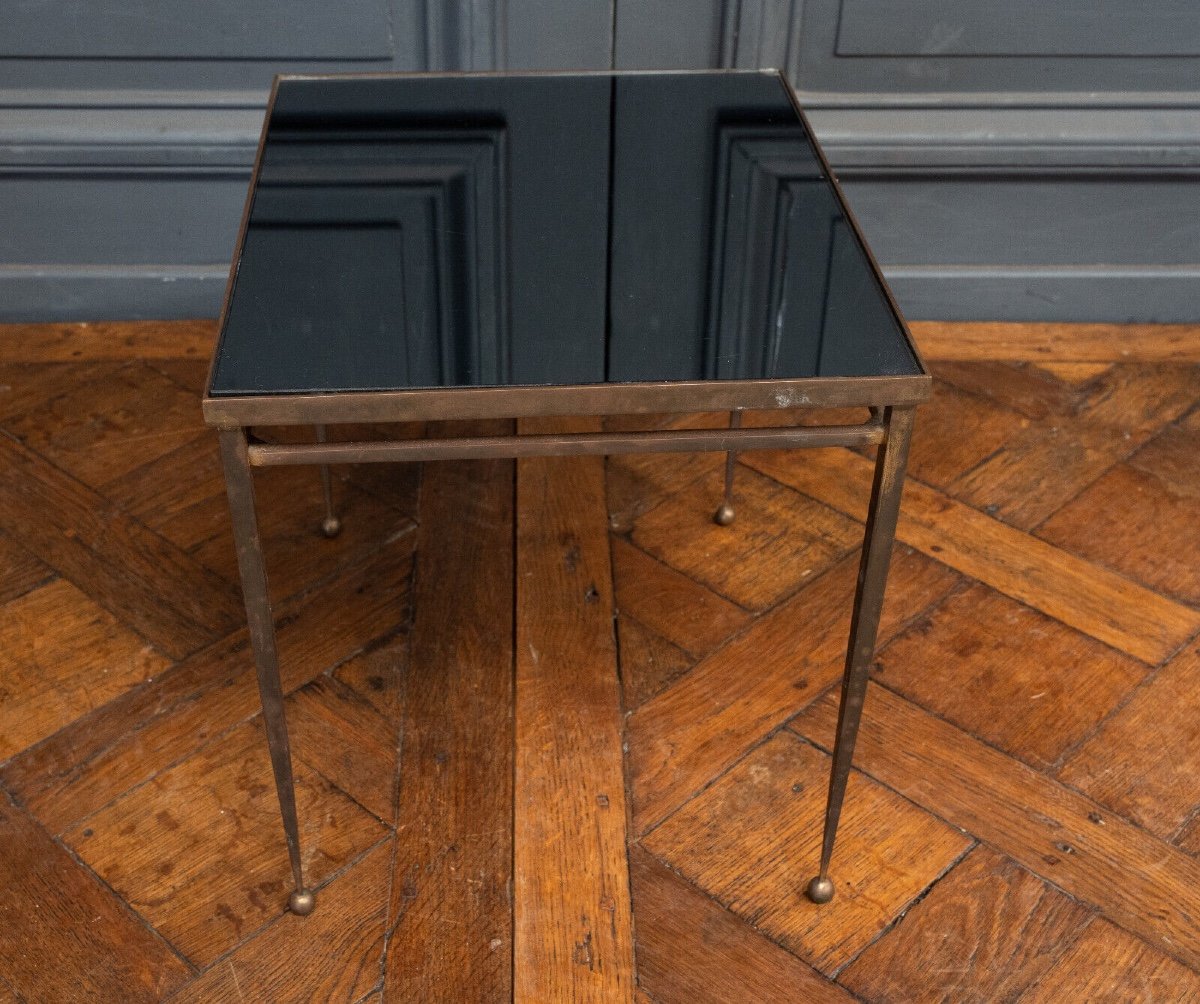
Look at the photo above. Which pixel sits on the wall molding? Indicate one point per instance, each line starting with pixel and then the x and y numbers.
pixel 1166 294
pixel 55 135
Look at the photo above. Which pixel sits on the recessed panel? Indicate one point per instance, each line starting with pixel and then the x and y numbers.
pixel 1019 28
pixel 196 29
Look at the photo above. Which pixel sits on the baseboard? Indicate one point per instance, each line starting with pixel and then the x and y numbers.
pixel 1151 294
pixel 110 292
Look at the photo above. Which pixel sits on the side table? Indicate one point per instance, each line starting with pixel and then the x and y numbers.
pixel 425 247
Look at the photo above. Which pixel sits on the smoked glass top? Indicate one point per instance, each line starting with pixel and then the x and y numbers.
pixel 486 230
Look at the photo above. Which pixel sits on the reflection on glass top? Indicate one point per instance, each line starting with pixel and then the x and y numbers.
pixel 475 230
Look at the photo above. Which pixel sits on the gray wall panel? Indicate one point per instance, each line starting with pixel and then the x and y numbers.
pixel 1023 160
pixel 964 52
pixel 1016 221
pixel 122 219
pixel 185 29
pixel 1021 28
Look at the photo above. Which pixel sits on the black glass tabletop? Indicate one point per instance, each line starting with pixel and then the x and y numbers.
pixel 435 231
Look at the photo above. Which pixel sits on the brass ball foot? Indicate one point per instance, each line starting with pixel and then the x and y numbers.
pixel 331 526
pixel 724 515
pixel 302 902
pixel 820 890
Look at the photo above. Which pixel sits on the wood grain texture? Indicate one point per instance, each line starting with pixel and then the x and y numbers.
pixel 101 428
pixel 637 482
pixel 1110 343
pixel 1008 674
pixel 572 917
pixel 1087 848
pixel 103 755
pixel 340 735
pixel 955 432
pixel 377 676
pixel 648 662
pixel 215 872
pixel 21 570
pixel 450 908
pixel 25 386
pixel 1137 880
pixel 670 603
pixel 1101 604
pixel 752 840
pixel 1108 965
pixel 291 962
pixel 1029 390
pixel 988 931
pixel 167 596
pixel 1119 413
pixel 691 733
pixel 692 951
pixel 92 342
pixel 778 542
pixel 1140 517
pixel 46 953
pixel 63 657
pixel 1142 761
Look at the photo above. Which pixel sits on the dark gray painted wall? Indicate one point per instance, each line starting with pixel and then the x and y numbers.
pixel 1042 164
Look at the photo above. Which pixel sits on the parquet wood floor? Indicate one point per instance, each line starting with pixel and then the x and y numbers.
pixel 558 737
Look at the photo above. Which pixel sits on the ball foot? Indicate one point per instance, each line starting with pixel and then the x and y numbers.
pixel 820 890
pixel 331 526
pixel 724 515
pixel 302 902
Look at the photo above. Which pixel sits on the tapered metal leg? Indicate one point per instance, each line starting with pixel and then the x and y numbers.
pixel 331 526
pixel 724 514
pixel 868 602
pixel 240 487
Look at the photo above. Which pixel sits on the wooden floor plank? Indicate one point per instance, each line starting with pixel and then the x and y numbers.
pixel 107 340
pixel 648 662
pixel 22 571
pixel 1140 882
pixel 63 936
pixel 127 742
pixel 752 841
pixel 289 963
pixel 690 950
pixel 103 427
pixel 1099 603
pixel 340 735
pixel 1107 966
pixel 687 735
pixel 777 542
pixel 672 605
pixel 572 916
pixel 1140 518
pixel 164 594
pixel 450 899
pixel 1142 761
pixel 988 931
pixel 1008 674
pixel 199 851
pixel 63 657
pixel 1058 342
pixel 1120 413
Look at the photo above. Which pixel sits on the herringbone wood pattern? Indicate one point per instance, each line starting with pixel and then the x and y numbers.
pixel 1023 823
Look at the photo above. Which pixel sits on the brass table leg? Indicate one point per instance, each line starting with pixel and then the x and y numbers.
pixel 331 526
pixel 868 602
pixel 724 514
pixel 240 487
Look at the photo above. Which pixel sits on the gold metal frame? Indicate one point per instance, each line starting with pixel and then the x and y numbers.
pixel 891 400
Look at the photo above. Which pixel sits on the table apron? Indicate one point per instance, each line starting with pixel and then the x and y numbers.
pixel 569 444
